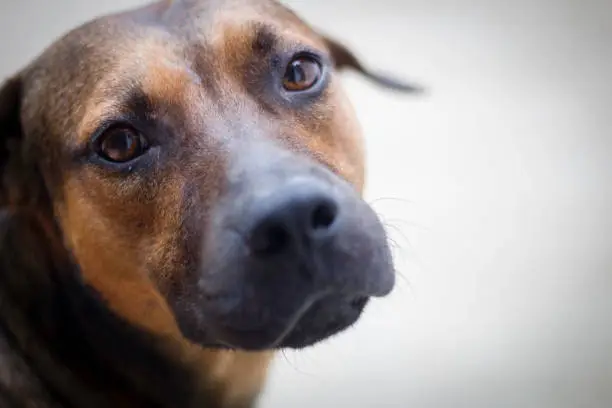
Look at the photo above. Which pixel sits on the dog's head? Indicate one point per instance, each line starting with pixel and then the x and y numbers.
pixel 205 168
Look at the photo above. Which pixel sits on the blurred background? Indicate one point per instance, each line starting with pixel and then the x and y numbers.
pixel 496 188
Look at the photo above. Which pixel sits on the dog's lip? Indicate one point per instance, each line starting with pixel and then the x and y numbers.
pixel 252 339
pixel 267 335
pixel 270 336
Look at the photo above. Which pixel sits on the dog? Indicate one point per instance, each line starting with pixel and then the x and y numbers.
pixel 181 195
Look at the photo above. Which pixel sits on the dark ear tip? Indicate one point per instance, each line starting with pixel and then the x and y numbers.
pixel 395 84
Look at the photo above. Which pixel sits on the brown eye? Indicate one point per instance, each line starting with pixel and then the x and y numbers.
pixel 302 74
pixel 121 144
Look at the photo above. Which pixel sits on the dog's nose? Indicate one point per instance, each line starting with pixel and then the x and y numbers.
pixel 293 219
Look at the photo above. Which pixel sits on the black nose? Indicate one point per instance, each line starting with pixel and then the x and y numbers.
pixel 293 219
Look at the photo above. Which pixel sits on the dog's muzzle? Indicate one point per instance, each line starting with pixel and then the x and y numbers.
pixel 292 256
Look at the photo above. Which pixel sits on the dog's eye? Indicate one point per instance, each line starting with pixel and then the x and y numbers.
pixel 121 144
pixel 302 73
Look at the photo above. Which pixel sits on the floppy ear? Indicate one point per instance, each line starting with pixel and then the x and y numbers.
pixel 344 58
pixel 20 180
pixel 10 135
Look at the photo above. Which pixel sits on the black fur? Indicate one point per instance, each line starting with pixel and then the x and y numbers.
pixel 77 352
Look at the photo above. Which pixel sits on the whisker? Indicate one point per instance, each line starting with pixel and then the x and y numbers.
pixel 293 365
pixel 408 224
pixel 393 199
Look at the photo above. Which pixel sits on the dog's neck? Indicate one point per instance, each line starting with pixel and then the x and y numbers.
pixel 61 347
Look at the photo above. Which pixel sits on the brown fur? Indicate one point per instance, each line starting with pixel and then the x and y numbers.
pixel 192 63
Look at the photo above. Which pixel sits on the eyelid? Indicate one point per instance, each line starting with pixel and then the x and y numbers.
pixel 320 55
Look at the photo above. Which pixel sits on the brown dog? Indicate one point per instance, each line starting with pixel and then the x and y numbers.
pixel 180 196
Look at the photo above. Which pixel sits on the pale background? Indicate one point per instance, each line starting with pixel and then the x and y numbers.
pixel 497 188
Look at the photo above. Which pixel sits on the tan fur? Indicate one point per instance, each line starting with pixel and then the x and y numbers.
pixel 144 234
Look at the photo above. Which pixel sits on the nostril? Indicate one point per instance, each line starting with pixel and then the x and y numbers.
pixel 270 239
pixel 292 223
pixel 323 216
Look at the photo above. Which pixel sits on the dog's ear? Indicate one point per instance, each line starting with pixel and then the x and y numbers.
pixel 344 58
pixel 20 181
pixel 10 106
pixel 10 134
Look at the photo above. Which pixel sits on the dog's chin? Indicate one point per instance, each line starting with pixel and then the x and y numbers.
pixel 310 324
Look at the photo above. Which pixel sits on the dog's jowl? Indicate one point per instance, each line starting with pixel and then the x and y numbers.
pixel 180 196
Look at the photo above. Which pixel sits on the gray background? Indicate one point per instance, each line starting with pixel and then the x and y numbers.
pixel 496 188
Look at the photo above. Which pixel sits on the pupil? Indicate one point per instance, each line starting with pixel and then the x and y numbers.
pixel 121 142
pixel 298 74
pixel 301 74
pixel 120 146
